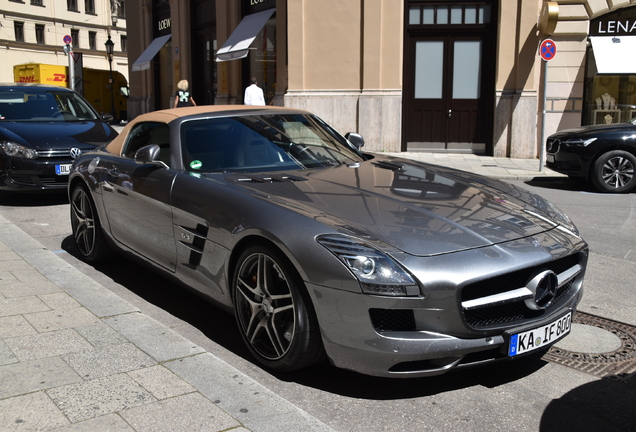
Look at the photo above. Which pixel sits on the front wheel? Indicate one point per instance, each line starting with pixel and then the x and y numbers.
pixel 274 312
pixel 614 172
pixel 87 229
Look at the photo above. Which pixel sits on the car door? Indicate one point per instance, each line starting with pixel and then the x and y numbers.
pixel 137 197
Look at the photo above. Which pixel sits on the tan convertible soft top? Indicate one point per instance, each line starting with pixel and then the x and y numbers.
pixel 166 116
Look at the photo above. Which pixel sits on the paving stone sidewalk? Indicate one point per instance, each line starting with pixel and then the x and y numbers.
pixel 76 357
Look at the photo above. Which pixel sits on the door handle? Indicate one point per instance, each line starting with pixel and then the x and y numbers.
pixel 449 113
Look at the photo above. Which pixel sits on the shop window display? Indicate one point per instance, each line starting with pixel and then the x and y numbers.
pixel 610 99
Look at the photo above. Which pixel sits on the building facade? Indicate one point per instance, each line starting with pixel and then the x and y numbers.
pixel 33 31
pixel 417 75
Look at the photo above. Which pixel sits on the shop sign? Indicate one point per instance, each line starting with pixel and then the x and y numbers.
pixel 618 23
pixel 162 20
pixel 252 6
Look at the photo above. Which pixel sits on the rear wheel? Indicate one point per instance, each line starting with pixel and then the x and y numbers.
pixel 87 230
pixel 274 312
pixel 614 172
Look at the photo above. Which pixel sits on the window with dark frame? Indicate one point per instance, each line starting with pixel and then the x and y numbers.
pixel 121 10
pixel 455 14
pixel 75 37
pixel 71 5
pixel 37 3
pixel 124 42
pixel 89 6
pixel 39 34
pixel 19 31
pixel 92 40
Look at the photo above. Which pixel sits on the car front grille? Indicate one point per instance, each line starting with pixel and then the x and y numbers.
pixel 553 145
pixel 65 153
pixel 514 310
pixel 42 181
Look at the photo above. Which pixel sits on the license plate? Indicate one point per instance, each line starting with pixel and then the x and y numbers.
pixel 63 169
pixel 551 158
pixel 539 337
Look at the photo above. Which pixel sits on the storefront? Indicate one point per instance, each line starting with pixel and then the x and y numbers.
pixel 253 43
pixel 610 80
pixel 150 57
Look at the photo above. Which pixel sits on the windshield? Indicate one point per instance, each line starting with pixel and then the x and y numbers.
pixel 263 143
pixel 43 105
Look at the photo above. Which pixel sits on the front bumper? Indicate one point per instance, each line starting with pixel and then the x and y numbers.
pixel 23 175
pixel 359 347
pixel 436 332
pixel 573 161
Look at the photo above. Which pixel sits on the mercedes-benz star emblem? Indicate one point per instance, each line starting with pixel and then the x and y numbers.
pixel 544 287
pixel 75 152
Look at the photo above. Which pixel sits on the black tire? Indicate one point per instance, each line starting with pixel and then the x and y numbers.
pixel 87 230
pixel 615 171
pixel 274 313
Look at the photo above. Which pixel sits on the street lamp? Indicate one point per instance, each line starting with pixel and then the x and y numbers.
pixel 110 45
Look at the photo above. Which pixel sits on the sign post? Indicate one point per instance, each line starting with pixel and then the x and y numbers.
pixel 68 49
pixel 547 51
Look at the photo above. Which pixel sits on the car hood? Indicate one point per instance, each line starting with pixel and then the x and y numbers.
pixel 593 131
pixel 417 208
pixel 57 135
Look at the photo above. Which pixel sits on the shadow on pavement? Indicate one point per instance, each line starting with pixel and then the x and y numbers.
pixel 179 301
pixel 221 328
pixel 562 183
pixel 31 199
pixel 608 404
pixel 351 384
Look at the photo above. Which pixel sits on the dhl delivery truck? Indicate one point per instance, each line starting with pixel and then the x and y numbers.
pixel 96 85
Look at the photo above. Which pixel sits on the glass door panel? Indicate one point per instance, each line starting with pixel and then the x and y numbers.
pixel 466 69
pixel 429 69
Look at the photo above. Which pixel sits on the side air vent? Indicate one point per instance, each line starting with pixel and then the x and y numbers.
pixel 194 240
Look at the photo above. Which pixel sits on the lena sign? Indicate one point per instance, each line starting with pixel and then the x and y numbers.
pixel 618 23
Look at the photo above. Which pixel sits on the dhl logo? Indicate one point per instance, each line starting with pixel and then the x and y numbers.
pixel 57 78
pixel 26 79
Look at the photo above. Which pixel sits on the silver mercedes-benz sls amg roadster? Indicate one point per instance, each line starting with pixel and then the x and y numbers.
pixel 384 266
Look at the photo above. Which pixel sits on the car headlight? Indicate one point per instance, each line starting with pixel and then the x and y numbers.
pixel 578 142
pixel 377 273
pixel 16 150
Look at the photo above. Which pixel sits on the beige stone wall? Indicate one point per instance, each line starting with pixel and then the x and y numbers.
pixel 346 66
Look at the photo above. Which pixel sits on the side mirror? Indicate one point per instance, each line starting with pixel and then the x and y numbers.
pixel 107 117
pixel 355 139
pixel 149 155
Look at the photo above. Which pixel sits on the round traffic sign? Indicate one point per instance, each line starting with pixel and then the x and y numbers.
pixel 548 49
pixel 67 40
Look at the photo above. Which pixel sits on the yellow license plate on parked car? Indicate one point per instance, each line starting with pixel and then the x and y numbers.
pixel 541 336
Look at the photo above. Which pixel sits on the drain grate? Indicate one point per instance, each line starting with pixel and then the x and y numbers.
pixel 618 362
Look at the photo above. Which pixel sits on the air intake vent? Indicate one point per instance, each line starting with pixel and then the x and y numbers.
pixel 392 319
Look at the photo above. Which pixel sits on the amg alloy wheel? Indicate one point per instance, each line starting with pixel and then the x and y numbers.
pixel 614 172
pixel 87 230
pixel 274 312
